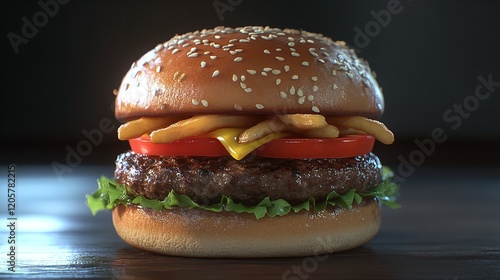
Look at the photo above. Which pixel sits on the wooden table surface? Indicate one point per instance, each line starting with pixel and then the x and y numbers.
pixel 448 228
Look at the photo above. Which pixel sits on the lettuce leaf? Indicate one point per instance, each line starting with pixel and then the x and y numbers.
pixel 110 194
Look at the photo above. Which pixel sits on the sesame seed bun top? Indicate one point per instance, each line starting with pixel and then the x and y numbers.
pixel 249 70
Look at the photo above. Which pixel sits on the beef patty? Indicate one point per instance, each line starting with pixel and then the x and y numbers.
pixel 248 181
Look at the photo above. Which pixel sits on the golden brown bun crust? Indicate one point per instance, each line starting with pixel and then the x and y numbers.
pixel 201 233
pixel 250 70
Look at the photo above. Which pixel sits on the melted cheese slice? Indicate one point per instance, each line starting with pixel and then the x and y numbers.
pixel 229 139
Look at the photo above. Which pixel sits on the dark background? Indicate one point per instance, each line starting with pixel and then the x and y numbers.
pixel 428 57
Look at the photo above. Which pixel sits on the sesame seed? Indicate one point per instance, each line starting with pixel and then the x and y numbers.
pixel 174 51
pixel 312 49
pixel 213 57
pixel 238 50
pixel 193 55
pixel 204 103
pixel 310 98
pixel 278 49
pixel 263 73
pixel 181 77
pixel 243 86
pixel 283 94
pixel 176 74
pixel 243 78
pixel 193 49
pixel 203 64
pixel 170 48
pixel 158 69
pixel 314 54
pixel 300 92
pixel 314 78
pixel 334 73
pixel 280 58
pixel 295 77
pixel 291 39
pixel 217 37
pixel 291 44
pixel 287 68
pixel 349 74
pixel 244 41
pixel 206 53
pixel 302 99
pixel 292 90
pixel 238 59
pixel 315 109
pixel 293 50
pixel 278 81
pixel 235 78
pixel 215 73
pixel 259 106
pixel 321 60
pixel 195 102
pixel 315 88
pixel 267 69
pixel 225 49
pixel 248 90
pixel 302 40
pixel 232 52
pixel 233 40
pixel 305 63
pixel 276 72
pixel 267 51
pixel 295 54
pixel 251 72
pixel 186 45
pixel 335 86
pixel 158 48
pixel 216 46
pixel 237 107
pixel 310 41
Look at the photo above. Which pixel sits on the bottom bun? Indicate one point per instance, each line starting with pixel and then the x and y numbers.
pixel 202 233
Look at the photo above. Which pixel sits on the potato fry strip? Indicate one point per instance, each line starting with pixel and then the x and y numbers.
pixel 145 125
pixel 372 127
pixel 327 131
pixel 201 124
pixel 261 130
pixel 303 121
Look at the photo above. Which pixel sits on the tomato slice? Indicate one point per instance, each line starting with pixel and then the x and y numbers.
pixel 343 147
pixel 202 146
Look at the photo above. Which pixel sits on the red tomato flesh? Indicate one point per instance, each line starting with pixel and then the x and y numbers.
pixel 342 147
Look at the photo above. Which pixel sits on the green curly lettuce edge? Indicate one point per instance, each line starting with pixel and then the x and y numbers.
pixel 110 194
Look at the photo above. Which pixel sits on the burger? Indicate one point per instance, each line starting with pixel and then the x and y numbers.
pixel 248 142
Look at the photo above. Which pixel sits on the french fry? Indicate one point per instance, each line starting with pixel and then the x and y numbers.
pixel 327 131
pixel 261 130
pixel 303 121
pixel 145 125
pixel 372 127
pixel 201 124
